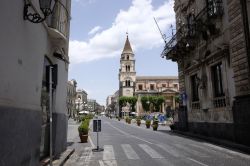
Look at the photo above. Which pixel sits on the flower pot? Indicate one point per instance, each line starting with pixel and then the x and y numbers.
pixel 83 138
pixel 155 127
pixel 147 126
pixel 138 123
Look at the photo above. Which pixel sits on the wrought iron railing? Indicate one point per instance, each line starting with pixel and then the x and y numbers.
pixel 219 102
pixel 195 105
pixel 59 19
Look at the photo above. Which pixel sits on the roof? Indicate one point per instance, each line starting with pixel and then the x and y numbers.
pixel 157 78
pixel 127 47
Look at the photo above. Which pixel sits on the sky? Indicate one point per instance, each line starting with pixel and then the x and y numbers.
pixel 97 37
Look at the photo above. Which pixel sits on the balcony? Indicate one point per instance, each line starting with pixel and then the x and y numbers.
pixel 58 22
pixel 200 27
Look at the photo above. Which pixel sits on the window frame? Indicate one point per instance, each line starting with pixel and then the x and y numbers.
pixel 217 80
pixel 194 87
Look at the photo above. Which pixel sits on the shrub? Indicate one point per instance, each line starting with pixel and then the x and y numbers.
pixel 84 128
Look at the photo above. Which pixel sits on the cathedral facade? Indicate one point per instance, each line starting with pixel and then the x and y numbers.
pixel 132 85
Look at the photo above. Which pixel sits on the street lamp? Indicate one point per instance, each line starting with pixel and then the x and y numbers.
pixel 35 17
pixel 78 102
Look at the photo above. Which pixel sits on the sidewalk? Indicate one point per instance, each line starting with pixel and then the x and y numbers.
pixel 73 145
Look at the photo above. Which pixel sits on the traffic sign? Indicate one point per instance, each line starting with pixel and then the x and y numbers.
pixel 97 125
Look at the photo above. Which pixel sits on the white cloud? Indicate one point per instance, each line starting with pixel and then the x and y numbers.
pixel 94 30
pixel 139 22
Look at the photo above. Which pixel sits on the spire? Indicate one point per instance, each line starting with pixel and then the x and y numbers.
pixel 127 47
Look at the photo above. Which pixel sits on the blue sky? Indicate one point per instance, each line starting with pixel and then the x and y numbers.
pixel 97 36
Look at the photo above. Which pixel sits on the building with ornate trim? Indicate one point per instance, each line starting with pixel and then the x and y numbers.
pixel 132 85
pixel 212 49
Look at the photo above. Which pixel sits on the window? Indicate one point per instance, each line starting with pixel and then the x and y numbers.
pixel 195 88
pixel 217 80
pixel 175 86
pixel 163 85
pixel 127 83
pixel 127 57
pixel 214 8
pixel 140 87
pixel 191 25
pixel 152 87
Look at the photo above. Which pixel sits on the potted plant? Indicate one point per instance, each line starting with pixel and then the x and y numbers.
pixel 83 130
pixel 155 124
pixel 148 122
pixel 129 120
pixel 138 121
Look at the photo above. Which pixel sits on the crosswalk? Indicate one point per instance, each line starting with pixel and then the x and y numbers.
pixel 140 153
pixel 126 152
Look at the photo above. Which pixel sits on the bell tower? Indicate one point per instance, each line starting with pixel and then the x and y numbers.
pixel 127 74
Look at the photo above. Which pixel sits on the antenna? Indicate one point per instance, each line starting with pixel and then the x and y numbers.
pixel 162 35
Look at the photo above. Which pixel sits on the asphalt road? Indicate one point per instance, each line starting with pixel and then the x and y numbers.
pixel 129 145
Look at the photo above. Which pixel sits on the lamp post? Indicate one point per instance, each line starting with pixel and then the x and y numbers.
pixel 45 7
pixel 78 102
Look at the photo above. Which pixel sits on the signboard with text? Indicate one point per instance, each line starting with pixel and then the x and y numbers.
pixel 96 125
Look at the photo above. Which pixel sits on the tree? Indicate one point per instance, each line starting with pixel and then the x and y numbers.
pixel 145 103
pixel 157 101
pixel 123 100
pixel 132 101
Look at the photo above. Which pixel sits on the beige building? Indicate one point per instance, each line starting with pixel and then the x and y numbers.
pixel 81 100
pixel 167 86
pixel 211 47
pixel 132 85
pixel 29 46
pixel 71 97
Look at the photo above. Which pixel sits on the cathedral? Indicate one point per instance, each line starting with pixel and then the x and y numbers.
pixel 132 85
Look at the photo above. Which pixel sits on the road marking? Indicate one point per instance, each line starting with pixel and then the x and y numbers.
pixel 151 152
pixel 197 161
pixel 91 142
pixel 108 163
pixel 191 151
pixel 170 150
pixel 210 150
pixel 228 151
pixel 108 153
pixel 130 153
pixel 127 134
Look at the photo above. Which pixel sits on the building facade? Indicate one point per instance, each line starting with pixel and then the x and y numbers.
pixel 127 73
pixel 211 47
pixel 167 86
pixel 132 85
pixel 81 100
pixel 27 49
pixel 71 97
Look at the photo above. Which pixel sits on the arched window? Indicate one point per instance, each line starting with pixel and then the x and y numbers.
pixel 128 68
pixel 127 57
pixel 128 82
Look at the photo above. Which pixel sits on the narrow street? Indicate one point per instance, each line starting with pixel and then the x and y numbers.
pixel 127 144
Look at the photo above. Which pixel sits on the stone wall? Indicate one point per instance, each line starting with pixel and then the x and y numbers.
pixel 238 48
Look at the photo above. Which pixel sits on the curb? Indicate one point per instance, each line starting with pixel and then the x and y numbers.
pixel 221 142
pixel 64 156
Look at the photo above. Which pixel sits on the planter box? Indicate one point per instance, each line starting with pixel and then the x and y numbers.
pixel 83 138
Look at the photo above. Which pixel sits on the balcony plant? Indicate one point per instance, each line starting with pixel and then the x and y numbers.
pixel 83 130
pixel 148 122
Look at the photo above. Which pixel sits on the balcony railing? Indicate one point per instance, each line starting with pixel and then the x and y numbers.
pixel 219 102
pixel 195 105
pixel 186 37
pixel 59 19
